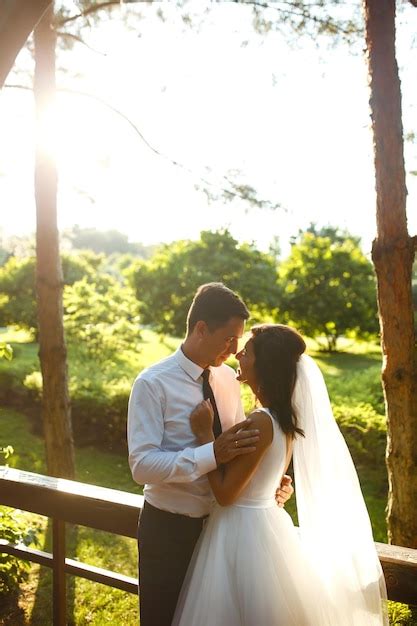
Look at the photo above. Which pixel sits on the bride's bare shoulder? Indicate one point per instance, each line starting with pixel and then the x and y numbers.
pixel 262 420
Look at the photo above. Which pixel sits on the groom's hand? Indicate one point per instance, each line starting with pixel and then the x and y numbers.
pixel 284 491
pixel 236 441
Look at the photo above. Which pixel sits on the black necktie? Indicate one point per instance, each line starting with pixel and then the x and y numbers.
pixel 209 395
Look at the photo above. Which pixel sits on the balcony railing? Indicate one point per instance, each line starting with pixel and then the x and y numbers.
pixel 67 501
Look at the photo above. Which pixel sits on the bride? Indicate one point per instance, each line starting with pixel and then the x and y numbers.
pixel 251 566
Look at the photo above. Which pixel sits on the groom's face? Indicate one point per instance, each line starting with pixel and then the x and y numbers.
pixel 219 344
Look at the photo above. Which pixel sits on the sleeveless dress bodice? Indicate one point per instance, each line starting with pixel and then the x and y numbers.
pixel 261 489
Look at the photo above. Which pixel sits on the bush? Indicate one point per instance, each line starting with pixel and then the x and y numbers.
pixel 401 615
pixel 14 530
pixel 13 571
pixel 17 285
pixel 101 318
pixel 357 386
pixel 365 432
pixel 98 408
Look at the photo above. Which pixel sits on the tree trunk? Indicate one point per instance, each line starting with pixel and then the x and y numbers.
pixel 17 20
pixel 393 254
pixel 49 278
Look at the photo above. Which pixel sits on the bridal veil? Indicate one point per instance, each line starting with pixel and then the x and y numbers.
pixel 333 520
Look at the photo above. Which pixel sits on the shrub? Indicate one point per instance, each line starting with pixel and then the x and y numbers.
pixel 14 530
pixel 13 571
pixel 401 615
pixel 365 432
pixel 98 408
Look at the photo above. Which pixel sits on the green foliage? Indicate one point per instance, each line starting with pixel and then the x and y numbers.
pixel 6 451
pixel 99 388
pixel 328 287
pixel 166 284
pixel 6 351
pixel 101 318
pixel 98 403
pixel 365 432
pixel 354 385
pixel 13 570
pixel 401 615
pixel 14 530
pixel 17 293
pixel 17 285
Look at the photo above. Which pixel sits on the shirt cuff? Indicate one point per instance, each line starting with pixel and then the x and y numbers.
pixel 205 458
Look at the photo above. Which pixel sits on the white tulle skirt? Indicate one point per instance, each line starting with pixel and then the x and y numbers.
pixel 249 569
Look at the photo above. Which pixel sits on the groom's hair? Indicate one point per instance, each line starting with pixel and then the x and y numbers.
pixel 215 304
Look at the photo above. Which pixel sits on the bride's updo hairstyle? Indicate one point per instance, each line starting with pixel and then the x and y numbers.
pixel 277 349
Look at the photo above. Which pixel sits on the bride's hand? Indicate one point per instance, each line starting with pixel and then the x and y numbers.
pixel 201 420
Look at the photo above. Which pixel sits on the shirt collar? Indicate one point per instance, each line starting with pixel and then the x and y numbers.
pixel 192 369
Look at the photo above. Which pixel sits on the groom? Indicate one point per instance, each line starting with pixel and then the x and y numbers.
pixel 163 454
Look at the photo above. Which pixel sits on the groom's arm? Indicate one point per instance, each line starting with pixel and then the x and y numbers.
pixel 149 463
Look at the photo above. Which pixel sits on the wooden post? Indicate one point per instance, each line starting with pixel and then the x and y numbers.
pixel 59 586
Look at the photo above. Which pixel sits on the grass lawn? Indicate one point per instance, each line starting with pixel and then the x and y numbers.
pixel 347 375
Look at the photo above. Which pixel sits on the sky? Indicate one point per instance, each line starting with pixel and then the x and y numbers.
pixel 289 118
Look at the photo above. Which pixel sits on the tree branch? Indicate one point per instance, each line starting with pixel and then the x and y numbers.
pixel 94 8
pixel 247 193
pixel 79 40
pixel 291 9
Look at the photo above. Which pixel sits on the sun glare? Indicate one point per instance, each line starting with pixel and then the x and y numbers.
pixel 47 130
pixel 251 113
pixel 73 134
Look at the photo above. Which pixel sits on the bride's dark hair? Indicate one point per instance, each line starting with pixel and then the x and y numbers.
pixel 277 349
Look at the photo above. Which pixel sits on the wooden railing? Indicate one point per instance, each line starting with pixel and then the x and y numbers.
pixel 66 501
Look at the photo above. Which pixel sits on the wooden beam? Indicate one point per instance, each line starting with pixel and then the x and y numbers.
pixel 77 503
pixel 400 571
pixel 73 567
pixel 103 576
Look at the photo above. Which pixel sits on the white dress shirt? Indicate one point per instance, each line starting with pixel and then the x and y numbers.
pixel 164 454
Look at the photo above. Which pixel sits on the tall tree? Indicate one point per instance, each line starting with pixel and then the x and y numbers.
pixel 166 283
pixel 328 286
pixel 393 254
pixel 17 20
pixel 49 278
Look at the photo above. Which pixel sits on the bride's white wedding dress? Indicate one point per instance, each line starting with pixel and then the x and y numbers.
pixel 252 567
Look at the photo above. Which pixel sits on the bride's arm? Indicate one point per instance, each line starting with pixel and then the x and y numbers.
pixel 228 481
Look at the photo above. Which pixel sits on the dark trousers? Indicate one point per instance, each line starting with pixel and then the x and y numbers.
pixel 166 543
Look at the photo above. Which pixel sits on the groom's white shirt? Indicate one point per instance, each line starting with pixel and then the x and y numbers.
pixel 164 454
